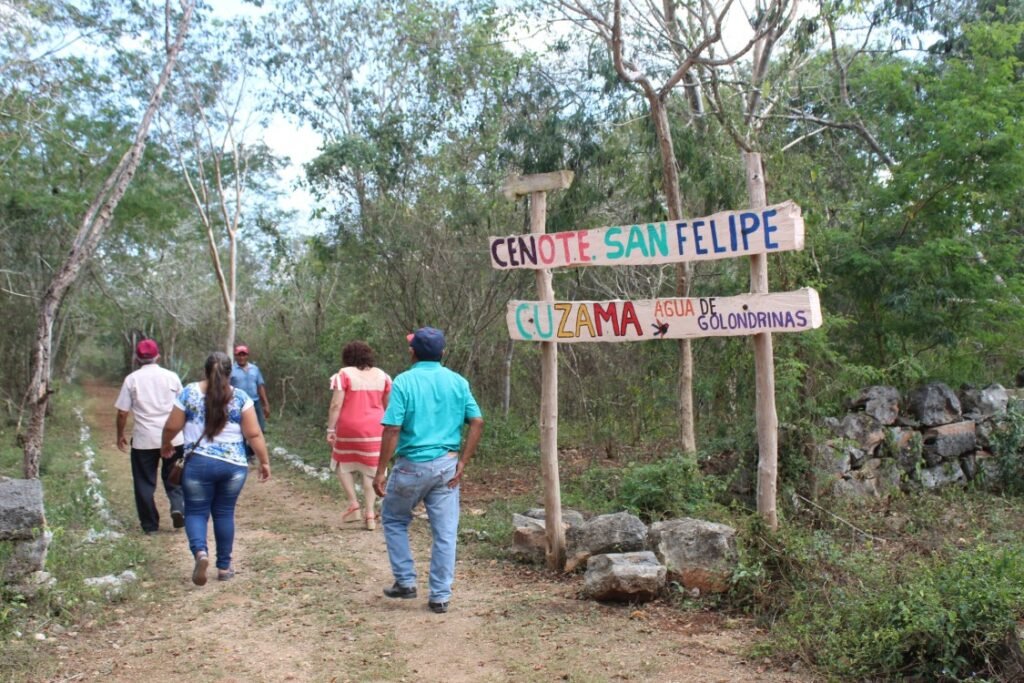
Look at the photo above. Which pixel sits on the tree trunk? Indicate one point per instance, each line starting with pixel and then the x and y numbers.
pixel 670 182
pixel 96 220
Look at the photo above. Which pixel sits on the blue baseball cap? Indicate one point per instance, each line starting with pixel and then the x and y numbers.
pixel 427 342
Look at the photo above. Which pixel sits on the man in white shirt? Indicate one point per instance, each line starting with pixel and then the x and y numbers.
pixel 148 395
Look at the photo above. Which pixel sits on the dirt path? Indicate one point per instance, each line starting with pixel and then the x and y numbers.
pixel 306 605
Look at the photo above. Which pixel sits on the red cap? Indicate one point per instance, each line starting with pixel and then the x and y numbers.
pixel 241 348
pixel 147 349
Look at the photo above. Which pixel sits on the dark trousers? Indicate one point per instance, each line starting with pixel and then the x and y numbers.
pixel 145 463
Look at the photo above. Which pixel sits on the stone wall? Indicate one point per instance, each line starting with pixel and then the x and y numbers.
pixel 930 438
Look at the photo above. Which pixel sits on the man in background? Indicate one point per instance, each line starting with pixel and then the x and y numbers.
pixel 247 377
pixel 148 395
pixel 423 422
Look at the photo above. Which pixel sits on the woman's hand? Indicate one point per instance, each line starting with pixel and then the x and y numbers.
pixel 264 471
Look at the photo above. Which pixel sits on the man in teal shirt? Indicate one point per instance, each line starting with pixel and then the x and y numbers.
pixel 423 431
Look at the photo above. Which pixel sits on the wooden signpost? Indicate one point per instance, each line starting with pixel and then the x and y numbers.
pixel 754 232
pixel 537 187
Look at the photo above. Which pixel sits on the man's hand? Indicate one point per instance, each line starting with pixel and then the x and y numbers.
pixel 167 451
pixel 266 411
pixel 379 482
pixel 122 424
pixel 454 481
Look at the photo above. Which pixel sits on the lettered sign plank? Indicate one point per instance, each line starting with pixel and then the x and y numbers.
pixel 567 322
pixel 726 234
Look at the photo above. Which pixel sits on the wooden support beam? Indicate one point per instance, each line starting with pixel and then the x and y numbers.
pixel 764 366
pixel 519 185
pixel 536 186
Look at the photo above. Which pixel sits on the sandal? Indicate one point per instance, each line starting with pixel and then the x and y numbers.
pixel 371 522
pixel 199 571
pixel 352 514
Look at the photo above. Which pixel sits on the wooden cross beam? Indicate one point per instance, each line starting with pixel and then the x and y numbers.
pixel 519 185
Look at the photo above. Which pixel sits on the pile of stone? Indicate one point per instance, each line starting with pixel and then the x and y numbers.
pixel 934 438
pixel 627 561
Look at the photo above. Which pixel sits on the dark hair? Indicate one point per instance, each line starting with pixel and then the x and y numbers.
pixel 357 354
pixel 218 393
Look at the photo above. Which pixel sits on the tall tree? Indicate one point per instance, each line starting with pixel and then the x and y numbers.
pixel 208 137
pixel 642 68
pixel 408 113
pixel 94 222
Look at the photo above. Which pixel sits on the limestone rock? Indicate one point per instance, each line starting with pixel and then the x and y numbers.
pixel 624 577
pixel 697 553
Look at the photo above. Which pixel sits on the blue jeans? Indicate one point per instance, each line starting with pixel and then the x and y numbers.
pixel 212 486
pixel 409 483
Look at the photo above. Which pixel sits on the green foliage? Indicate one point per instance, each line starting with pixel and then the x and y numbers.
pixel 672 487
pixel 927 605
pixel 666 488
pixel 1008 447
pixel 510 441
pixel 946 620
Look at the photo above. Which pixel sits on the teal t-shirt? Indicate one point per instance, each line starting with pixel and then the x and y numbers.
pixel 429 403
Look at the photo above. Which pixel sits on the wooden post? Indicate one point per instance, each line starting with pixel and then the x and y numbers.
pixel 537 186
pixel 764 365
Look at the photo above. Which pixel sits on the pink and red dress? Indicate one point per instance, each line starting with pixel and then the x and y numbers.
pixel 358 430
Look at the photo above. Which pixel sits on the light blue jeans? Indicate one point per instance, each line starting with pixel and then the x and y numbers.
pixel 409 483
pixel 212 486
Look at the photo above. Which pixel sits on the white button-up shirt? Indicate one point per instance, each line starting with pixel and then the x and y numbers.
pixel 148 394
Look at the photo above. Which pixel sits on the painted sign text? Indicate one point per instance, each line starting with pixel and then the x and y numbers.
pixel 678 318
pixel 726 234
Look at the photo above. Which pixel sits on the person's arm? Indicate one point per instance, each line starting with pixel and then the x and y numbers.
pixel 388 443
pixel 264 401
pixel 254 436
pixel 174 424
pixel 476 430
pixel 337 399
pixel 122 440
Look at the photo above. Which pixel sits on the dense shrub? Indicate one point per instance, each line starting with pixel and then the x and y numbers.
pixel 1008 445
pixel 861 616
pixel 671 487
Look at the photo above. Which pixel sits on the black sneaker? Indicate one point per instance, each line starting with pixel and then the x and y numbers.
pixel 404 592
pixel 438 607
pixel 177 518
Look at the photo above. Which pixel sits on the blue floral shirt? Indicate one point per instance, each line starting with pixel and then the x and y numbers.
pixel 228 445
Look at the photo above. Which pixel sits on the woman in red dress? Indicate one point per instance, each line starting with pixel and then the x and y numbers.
pixel 361 394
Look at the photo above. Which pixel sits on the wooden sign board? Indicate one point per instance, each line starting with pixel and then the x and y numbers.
pixel 727 234
pixel 677 318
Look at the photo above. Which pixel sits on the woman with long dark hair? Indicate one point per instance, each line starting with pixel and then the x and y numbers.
pixel 217 420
